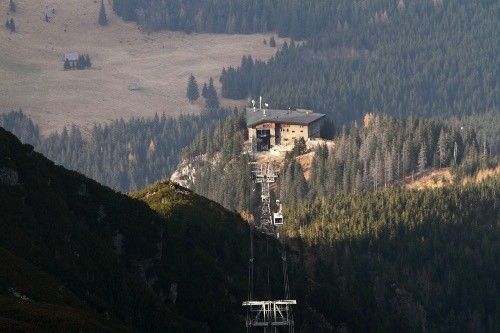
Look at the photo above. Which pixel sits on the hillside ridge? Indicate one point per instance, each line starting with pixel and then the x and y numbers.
pixel 104 261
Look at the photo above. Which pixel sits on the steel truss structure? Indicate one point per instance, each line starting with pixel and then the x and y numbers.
pixel 268 315
pixel 265 175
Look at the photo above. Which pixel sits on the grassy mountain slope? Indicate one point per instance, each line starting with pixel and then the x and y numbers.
pixel 76 255
pixel 59 249
pixel 206 255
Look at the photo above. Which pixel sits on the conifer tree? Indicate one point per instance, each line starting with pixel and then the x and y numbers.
pixel 12 6
pixel 88 63
pixel 443 148
pixel 406 158
pixel 103 19
pixel 12 25
pixel 192 93
pixel 204 90
pixel 212 101
pixel 7 24
pixel 272 42
pixel 422 158
pixel 80 63
pixel 298 149
pixel 67 65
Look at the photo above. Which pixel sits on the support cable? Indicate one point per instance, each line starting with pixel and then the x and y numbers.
pixel 267 259
pixel 250 268
pixel 250 280
pixel 268 314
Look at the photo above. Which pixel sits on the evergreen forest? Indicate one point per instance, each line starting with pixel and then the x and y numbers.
pixel 222 169
pixel 411 87
pixel 394 260
pixel 76 256
pixel 375 256
pixel 125 155
pixel 427 59
pixel 421 58
pixel 384 152
pixel 402 260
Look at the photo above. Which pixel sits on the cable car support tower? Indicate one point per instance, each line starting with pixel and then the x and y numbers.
pixel 269 315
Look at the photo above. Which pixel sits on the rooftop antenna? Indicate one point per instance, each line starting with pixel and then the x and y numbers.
pixel 260 102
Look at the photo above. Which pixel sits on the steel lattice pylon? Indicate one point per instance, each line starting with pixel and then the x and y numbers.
pixel 265 175
pixel 268 315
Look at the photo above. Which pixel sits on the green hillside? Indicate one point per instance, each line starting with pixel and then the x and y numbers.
pixel 404 260
pixel 61 250
pixel 77 256
pixel 377 258
pixel 125 155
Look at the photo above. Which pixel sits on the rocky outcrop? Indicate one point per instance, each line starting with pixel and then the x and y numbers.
pixel 184 176
pixel 8 176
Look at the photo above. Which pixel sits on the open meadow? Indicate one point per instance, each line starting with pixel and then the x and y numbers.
pixel 32 75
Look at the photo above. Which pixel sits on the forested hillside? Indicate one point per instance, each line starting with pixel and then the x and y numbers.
pixel 404 261
pixel 428 58
pixel 380 153
pixel 125 155
pixel 402 58
pixel 386 152
pixel 69 249
pixel 76 256
pixel 295 18
pixel 411 86
pixel 221 167
pixel 391 260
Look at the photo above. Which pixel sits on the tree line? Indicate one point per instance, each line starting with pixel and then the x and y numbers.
pixel 383 153
pixel 124 155
pixel 222 169
pixel 386 152
pixel 296 18
pixel 424 60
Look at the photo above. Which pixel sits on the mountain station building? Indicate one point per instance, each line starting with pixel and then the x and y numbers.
pixel 271 127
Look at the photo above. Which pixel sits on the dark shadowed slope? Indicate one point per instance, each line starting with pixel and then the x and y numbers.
pixel 75 255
